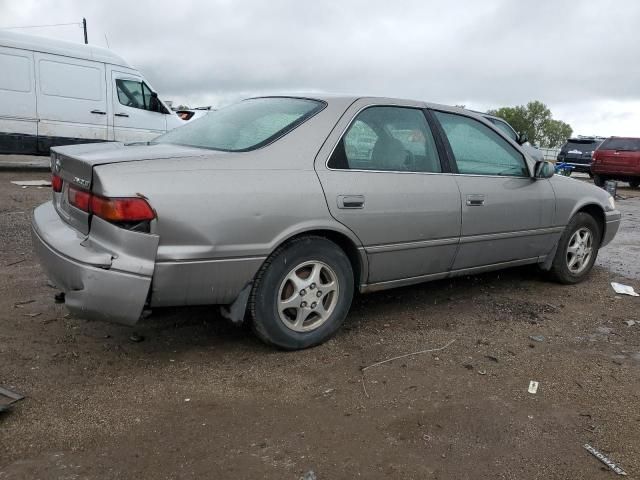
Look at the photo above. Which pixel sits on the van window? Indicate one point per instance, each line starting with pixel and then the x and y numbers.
pixel 136 94
pixel 71 81
pixel 20 79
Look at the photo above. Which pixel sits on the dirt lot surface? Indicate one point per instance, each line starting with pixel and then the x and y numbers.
pixel 199 398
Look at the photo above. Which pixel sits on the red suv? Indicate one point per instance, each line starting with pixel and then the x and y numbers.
pixel 617 158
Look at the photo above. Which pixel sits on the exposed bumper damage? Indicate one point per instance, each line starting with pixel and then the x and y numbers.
pixel 99 284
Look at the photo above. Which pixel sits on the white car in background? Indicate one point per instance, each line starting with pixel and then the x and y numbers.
pixel 61 93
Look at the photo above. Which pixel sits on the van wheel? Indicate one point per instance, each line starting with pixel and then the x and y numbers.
pixel 577 249
pixel 634 183
pixel 599 180
pixel 302 293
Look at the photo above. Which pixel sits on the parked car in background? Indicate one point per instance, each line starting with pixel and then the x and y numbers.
pixel 60 93
pixel 617 158
pixel 283 207
pixel 510 132
pixel 577 152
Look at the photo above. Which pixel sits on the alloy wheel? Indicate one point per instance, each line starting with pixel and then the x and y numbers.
pixel 307 296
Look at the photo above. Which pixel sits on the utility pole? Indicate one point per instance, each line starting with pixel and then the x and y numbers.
pixel 84 26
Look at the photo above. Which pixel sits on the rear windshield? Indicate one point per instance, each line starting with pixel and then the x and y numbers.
pixel 246 125
pixel 581 145
pixel 629 144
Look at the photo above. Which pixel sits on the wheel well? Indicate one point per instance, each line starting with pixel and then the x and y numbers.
pixel 598 214
pixel 345 243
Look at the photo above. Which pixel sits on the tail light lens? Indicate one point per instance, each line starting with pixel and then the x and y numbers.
pixel 127 209
pixel 56 183
pixel 124 210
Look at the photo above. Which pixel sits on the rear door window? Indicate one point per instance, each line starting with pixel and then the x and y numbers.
pixel 387 139
pixel 478 150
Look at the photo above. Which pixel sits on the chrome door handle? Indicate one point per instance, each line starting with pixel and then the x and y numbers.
pixel 475 200
pixel 98 112
pixel 350 201
pixel 121 114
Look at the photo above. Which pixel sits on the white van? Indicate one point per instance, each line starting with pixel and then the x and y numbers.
pixel 60 93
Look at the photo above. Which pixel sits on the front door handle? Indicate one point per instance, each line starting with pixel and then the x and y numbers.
pixel 475 200
pixel 98 112
pixel 350 201
pixel 121 114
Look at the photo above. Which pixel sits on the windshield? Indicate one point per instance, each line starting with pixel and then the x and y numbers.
pixel 505 127
pixel 630 144
pixel 246 125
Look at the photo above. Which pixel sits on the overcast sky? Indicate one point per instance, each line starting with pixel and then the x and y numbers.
pixel 581 58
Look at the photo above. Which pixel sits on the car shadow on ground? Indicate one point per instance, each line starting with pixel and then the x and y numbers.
pixel 182 328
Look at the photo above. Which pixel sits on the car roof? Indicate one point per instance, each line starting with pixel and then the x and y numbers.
pixel 60 47
pixel 374 100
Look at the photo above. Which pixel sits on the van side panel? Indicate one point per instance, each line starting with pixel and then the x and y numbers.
pixel 71 99
pixel 18 117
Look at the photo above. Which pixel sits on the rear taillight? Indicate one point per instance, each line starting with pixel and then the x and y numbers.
pixel 79 198
pixel 56 183
pixel 133 209
pixel 117 210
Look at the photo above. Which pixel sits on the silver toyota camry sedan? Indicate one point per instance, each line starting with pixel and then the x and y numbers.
pixel 280 208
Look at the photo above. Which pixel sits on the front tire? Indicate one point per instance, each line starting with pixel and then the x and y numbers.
pixel 634 183
pixel 302 293
pixel 577 249
pixel 599 180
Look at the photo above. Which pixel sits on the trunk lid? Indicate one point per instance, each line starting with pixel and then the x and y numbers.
pixel 75 163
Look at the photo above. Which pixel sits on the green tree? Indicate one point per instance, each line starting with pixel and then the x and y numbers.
pixel 536 121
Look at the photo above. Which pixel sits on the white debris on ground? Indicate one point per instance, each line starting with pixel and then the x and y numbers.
pixel 624 289
pixel 31 183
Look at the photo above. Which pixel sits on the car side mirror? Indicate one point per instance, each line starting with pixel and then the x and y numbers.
pixel 544 169
pixel 522 138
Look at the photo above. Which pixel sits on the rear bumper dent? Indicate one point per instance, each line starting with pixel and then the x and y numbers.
pixel 87 272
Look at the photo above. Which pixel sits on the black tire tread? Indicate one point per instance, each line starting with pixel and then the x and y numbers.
pixel 558 269
pixel 256 326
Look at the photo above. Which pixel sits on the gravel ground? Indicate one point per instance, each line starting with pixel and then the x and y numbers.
pixel 199 398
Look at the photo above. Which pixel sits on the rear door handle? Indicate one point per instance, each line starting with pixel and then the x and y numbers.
pixel 98 112
pixel 475 200
pixel 121 114
pixel 350 201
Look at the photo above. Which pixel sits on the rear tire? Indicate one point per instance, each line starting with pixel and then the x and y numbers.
pixel 302 293
pixel 634 183
pixel 599 180
pixel 577 249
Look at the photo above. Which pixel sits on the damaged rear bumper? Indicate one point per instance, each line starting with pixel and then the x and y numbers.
pixel 105 275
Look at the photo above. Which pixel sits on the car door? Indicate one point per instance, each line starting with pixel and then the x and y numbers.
pixel 383 180
pixel 134 118
pixel 507 214
pixel 71 99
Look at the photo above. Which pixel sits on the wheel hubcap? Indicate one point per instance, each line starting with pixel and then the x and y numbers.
pixel 579 250
pixel 307 296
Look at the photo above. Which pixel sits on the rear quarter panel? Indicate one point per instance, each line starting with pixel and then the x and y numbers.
pixel 218 219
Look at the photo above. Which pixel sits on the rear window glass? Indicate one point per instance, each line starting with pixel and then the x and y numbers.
pixel 630 144
pixel 582 145
pixel 246 125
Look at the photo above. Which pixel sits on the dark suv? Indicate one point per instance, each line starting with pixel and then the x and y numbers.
pixel 577 153
pixel 617 158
